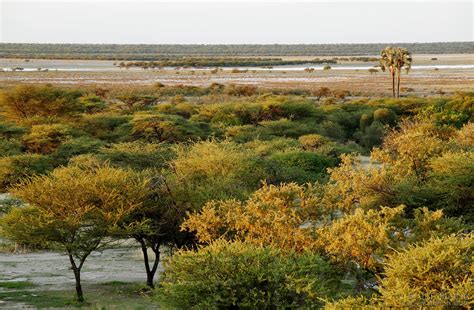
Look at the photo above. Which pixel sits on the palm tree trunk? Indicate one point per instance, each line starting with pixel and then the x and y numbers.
pixel 393 83
pixel 398 83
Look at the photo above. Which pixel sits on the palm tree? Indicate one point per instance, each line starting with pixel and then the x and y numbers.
pixel 394 59
pixel 387 61
pixel 403 60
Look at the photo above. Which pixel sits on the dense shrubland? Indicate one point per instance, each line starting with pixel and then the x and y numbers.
pixel 264 193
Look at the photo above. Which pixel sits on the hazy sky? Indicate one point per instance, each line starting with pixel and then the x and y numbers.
pixel 235 22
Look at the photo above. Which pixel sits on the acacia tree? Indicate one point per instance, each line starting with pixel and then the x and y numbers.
pixel 27 101
pixel 394 59
pixel 74 209
pixel 154 225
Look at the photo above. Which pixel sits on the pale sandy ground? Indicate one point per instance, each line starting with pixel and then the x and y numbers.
pixel 421 82
pixel 51 271
pixel 420 59
pixel 359 81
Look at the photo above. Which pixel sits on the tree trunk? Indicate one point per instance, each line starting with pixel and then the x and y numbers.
pixel 80 295
pixel 398 83
pixel 150 271
pixel 392 73
pixel 77 276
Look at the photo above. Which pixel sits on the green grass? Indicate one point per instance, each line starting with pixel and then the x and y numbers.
pixel 110 295
pixel 16 284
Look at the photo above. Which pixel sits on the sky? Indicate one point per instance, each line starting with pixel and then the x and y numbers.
pixel 239 22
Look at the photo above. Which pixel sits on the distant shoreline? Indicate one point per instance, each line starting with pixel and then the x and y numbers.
pixel 160 51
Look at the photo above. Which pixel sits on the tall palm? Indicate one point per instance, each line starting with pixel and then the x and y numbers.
pixel 387 62
pixel 403 60
pixel 394 59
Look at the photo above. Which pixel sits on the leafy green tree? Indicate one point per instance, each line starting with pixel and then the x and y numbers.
pixel 74 209
pixel 26 101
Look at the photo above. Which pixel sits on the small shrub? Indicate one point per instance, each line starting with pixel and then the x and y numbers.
pixel 436 273
pixel 136 155
pixel 332 130
pixel 312 141
pixel 110 128
pixel 166 128
pixel 92 103
pixel 74 147
pixel 300 167
pixel 45 139
pixel 384 116
pixel 9 147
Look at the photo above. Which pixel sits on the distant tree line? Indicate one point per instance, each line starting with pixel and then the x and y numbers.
pixel 154 51
pixel 221 62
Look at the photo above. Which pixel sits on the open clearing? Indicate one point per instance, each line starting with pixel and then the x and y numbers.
pixel 44 280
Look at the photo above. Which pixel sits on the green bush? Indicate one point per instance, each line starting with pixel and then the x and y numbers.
pixel 266 108
pixel 14 168
pixel 267 148
pixel 365 121
pixel 287 128
pixel 452 178
pixel 332 130
pixel 11 131
pixel 210 170
pixel 166 128
pixel 92 103
pixel 45 139
pixel 136 155
pixel 300 167
pixel 106 127
pixel 312 142
pixel 372 135
pixel 384 116
pixel 247 133
pixel 183 109
pixel 74 147
pixel 437 273
pixel 9 147
pixel 237 275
